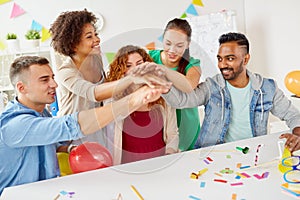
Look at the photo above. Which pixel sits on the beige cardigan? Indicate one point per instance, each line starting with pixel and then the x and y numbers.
pixel 170 133
pixel 75 94
pixel 74 91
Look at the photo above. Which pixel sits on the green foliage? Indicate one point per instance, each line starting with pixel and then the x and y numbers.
pixel 32 35
pixel 11 36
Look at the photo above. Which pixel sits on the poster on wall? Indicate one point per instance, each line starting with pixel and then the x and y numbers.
pixel 205 34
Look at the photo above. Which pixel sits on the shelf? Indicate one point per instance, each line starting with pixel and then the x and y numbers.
pixel 6 88
pixel 37 50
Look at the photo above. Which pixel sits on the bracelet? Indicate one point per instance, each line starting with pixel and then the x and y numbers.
pixel 70 147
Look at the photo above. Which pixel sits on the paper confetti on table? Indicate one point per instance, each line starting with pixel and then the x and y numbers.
pixel 264 175
pixel 245 175
pixel 244 167
pixel 242 175
pixel 64 193
pixel 257 153
pixel 208 160
pixel 220 180
pixel 226 171
pixel 202 184
pixel 233 197
pixel 219 174
pixel 193 197
pixel 236 184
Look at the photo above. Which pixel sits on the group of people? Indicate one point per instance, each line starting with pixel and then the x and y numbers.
pixel 145 106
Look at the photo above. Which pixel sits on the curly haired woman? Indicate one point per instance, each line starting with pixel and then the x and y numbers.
pixel 81 77
pixel 150 131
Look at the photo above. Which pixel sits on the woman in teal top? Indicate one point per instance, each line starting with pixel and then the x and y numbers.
pixel 175 55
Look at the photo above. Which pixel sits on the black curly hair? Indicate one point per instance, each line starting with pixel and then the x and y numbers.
pixel 67 29
pixel 239 38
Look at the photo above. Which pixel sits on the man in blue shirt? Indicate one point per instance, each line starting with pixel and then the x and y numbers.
pixel 237 102
pixel 29 136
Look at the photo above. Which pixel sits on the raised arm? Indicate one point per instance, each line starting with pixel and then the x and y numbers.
pixel 92 120
pixel 108 89
pixel 184 83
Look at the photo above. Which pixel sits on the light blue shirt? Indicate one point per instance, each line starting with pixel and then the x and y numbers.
pixel 265 97
pixel 239 127
pixel 28 142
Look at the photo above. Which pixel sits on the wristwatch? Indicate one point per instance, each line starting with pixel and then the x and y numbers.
pixel 70 147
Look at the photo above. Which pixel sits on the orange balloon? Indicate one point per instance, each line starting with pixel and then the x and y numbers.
pixel 292 82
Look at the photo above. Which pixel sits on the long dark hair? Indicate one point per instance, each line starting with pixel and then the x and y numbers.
pixel 183 25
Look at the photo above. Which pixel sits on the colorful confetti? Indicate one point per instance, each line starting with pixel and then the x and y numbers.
pixel 256 154
pixel 226 171
pixel 233 197
pixel 220 180
pixel 219 174
pixel 208 160
pixel 244 167
pixel 202 184
pixel 264 175
pixel 245 175
pixel 193 197
pixel 236 184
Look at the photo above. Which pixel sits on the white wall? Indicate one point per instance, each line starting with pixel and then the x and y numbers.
pixel 119 16
pixel 272 26
pixel 122 16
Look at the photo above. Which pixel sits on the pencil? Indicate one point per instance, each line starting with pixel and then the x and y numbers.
pixel 136 192
pixel 57 197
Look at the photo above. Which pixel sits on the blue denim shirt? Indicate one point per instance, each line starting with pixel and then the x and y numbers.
pixel 266 97
pixel 28 142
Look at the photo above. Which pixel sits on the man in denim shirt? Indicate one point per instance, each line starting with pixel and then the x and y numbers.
pixel 29 136
pixel 237 102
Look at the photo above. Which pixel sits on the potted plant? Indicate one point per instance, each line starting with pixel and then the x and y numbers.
pixel 33 37
pixel 12 41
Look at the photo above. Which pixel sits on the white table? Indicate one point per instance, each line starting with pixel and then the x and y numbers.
pixel 168 177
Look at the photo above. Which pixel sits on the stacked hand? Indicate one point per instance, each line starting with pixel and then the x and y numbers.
pixel 149 73
pixel 146 94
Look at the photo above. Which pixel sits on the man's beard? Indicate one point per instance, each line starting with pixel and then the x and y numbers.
pixel 233 75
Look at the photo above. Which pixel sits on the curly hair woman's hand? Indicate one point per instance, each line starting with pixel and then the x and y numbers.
pixel 148 68
pixel 148 73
